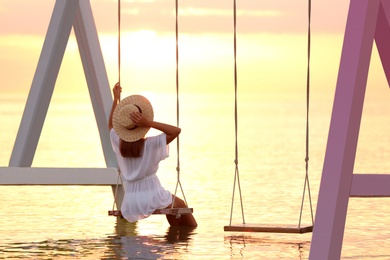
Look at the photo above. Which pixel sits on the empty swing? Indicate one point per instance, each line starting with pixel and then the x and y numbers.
pixel 244 227
pixel 167 211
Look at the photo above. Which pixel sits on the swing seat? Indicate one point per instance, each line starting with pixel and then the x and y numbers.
pixel 169 211
pixel 274 228
pixel 116 213
pixel 174 211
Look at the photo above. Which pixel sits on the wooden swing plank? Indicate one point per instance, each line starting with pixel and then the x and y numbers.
pixel 115 213
pixel 269 228
pixel 174 211
pixel 170 211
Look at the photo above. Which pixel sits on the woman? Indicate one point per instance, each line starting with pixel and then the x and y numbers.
pixel 138 158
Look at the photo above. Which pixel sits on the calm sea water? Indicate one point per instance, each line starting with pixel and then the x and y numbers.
pixel 54 222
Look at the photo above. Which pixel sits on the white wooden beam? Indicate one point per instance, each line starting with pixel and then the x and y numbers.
pixel 370 185
pixel 382 37
pixel 95 74
pixel 43 83
pixel 76 13
pixel 66 13
pixel 58 176
pixel 338 181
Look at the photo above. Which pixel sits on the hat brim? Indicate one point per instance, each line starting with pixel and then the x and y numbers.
pixel 132 135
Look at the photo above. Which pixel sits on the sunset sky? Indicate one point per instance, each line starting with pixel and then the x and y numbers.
pixel 197 16
pixel 272 44
pixel 271 56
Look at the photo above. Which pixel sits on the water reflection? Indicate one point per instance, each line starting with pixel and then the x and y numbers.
pixel 179 235
pixel 124 242
pixel 125 228
pixel 49 249
pixel 129 244
pixel 240 245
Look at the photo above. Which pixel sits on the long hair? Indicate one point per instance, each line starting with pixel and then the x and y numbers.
pixel 132 149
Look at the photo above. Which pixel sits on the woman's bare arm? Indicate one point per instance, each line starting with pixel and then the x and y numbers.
pixel 171 131
pixel 117 97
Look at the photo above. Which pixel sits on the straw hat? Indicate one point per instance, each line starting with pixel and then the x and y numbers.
pixel 123 125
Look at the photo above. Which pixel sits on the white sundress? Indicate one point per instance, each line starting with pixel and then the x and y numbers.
pixel 143 191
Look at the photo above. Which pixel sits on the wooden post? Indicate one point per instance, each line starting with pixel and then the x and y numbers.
pixel 43 83
pixel 66 13
pixel 367 19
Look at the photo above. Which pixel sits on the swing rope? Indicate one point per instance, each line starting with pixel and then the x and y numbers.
pixel 236 173
pixel 307 183
pixel 178 183
pixel 119 180
pixel 119 41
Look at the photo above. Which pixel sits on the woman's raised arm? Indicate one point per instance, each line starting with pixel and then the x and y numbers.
pixel 171 131
pixel 117 97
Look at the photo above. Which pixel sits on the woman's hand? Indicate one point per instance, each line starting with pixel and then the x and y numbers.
pixel 117 91
pixel 171 131
pixel 139 119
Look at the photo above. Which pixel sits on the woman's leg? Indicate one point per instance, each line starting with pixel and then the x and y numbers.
pixel 185 219
pixel 172 220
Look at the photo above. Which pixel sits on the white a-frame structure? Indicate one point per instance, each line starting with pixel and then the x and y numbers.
pixel 368 20
pixel 66 14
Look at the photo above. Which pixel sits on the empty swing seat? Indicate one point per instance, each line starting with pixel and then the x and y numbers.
pixel 271 228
